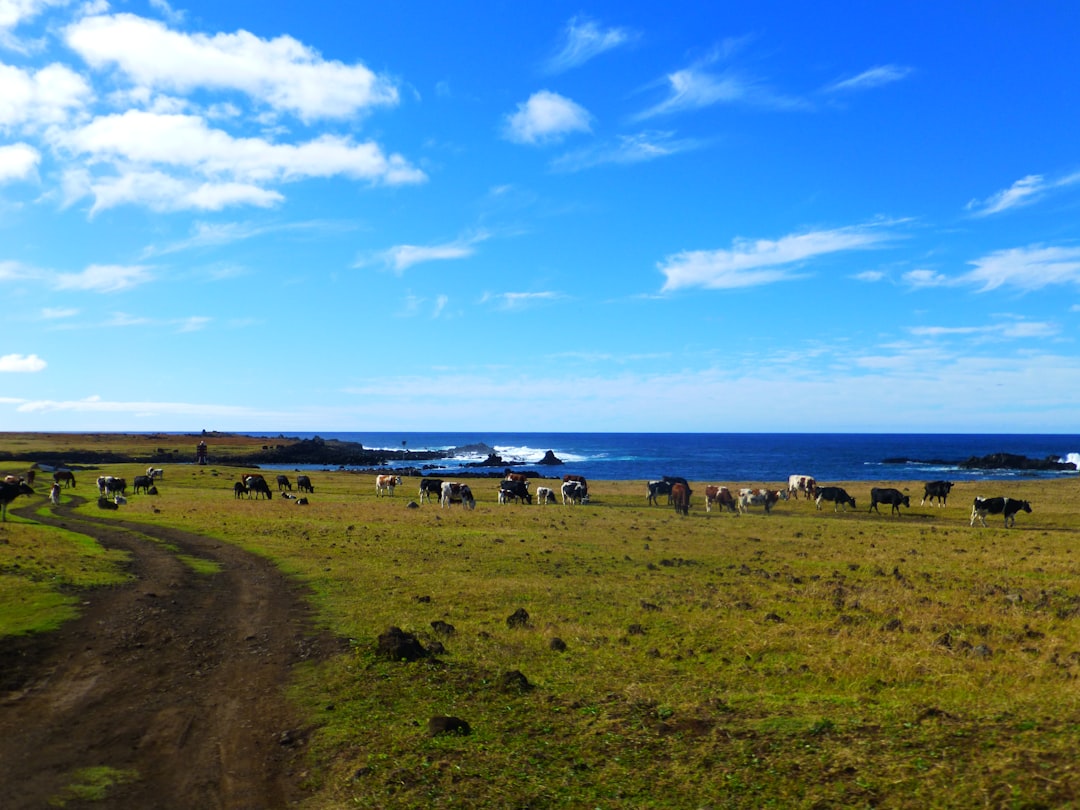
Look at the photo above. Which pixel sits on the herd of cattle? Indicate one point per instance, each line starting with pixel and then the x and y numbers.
pixel 574 489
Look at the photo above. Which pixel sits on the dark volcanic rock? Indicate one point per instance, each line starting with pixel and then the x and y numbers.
pixel 994 461
pixel 442 724
pixel 397 645
pixel 550 459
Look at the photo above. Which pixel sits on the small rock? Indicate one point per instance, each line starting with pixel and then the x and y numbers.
pixel 557 644
pixel 443 724
pixel 519 618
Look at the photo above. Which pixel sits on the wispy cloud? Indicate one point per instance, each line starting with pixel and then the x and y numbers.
pixel 401 257
pixel 927 278
pixel 869 79
pixel 518 300
pixel 104 278
pixel 545 118
pixel 750 263
pixel 97 404
pixel 1015 329
pixel 1027 268
pixel 582 40
pixel 626 149
pixel 21 363
pixel 1023 192
pixel 58 313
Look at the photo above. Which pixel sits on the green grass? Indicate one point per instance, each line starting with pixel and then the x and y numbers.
pixel 800 659
pixel 93 785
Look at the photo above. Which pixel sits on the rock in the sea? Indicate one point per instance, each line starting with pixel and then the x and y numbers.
pixel 550 458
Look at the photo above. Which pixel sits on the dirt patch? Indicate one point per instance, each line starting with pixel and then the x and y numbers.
pixel 177 678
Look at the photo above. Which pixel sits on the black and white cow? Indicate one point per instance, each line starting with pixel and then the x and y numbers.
pixel 514 490
pixel 998 506
pixel 656 489
pixel 838 496
pixel 573 492
pixel 545 495
pixel 429 487
pixel 453 492
pixel 760 497
pixel 936 489
pixel 258 485
pixel 9 492
pixel 894 497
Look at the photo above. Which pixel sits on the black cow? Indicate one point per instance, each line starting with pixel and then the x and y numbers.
pixel 936 489
pixel 894 497
pixel 429 487
pixel 998 506
pixel 303 484
pixel 514 489
pixel 115 486
pixel 239 490
pixel 143 482
pixel 658 488
pixel 9 492
pixel 838 496
pixel 258 485
pixel 284 483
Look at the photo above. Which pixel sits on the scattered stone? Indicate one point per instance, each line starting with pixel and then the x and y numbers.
pixel 893 625
pixel 557 644
pixel 635 630
pixel 412 505
pixel 397 645
pixel 514 681
pixel 774 617
pixel 982 651
pixel 649 606
pixel 443 628
pixel 436 648
pixel 423 599
pixel 519 618
pixel 443 724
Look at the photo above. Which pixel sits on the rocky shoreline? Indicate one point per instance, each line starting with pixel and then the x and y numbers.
pixel 994 461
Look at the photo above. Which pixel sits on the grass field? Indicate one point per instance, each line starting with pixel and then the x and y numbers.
pixel 800 659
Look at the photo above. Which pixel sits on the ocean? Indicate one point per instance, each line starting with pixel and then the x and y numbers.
pixel 766 457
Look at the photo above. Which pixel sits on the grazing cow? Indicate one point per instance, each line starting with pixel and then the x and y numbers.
pixel 54 494
pixel 102 479
pixel 760 497
pixel 239 490
pixel 429 487
pixel 386 483
pixel 155 473
pixel 936 489
pixel 680 497
pixel 9 492
pixel 143 482
pixel 801 483
pixel 65 477
pixel 838 496
pixel 545 495
pixel 258 485
pixel 303 484
pixel 894 497
pixel 722 497
pixel 573 493
pixel 513 476
pixel 579 479
pixel 656 489
pixel 115 486
pixel 284 483
pixel 453 492
pixel 514 490
pixel 998 506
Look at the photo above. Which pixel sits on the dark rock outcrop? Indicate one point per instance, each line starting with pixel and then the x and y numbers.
pixel 550 459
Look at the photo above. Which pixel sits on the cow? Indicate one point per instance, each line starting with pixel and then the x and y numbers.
pixel 760 497
pixel 894 497
pixel 9 492
pixel 429 487
pixel 258 485
pixel 656 489
pixel 680 497
pixel 998 506
pixel 65 477
pixel 838 496
pixel 573 492
pixel 155 473
pixel 105 503
pixel 579 479
pixel 54 494
pixel 722 497
pixel 511 490
pixel 101 482
pixel 801 483
pixel 453 492
pixel 283 483
pixel 545 495
pixel 143 482
pixel 303 484
pixel 386 483
pixel 115 486
pixel 936 489
pixel 513 476
pixel 239 490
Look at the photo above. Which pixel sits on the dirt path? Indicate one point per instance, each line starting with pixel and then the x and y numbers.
pixel 177 677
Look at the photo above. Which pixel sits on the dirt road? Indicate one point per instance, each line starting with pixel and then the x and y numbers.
pixel 176 679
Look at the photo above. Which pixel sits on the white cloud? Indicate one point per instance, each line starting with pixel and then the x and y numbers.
pixel 582 40
pixel 58 313
pixel 18 161
pixel 20 363
pixel 401 257
pixel 1029 268
pixel 282 73
pixel 1016 329
pixel 869 79
pixel 95 404
pixel 546 117
pixel 870 276
pixel 926 278
pixel 34 100
pixel 693 88
pixel 104 278
pixel 518 300
pixel 638 148
pixel 1024 191
pixel 751 263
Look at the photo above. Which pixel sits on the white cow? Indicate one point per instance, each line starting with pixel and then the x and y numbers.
pixel 545 495
pixel 453 492
pixel 802 483
pixel 155 473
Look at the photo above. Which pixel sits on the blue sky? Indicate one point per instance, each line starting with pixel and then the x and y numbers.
pixel 539 217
